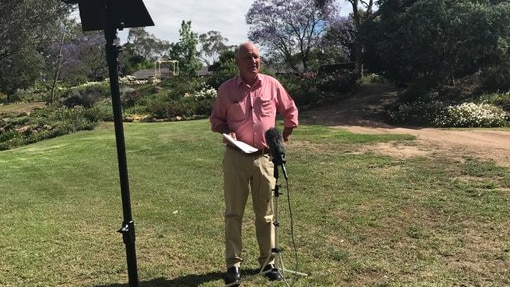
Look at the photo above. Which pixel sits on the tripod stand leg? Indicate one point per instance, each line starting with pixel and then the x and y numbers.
pixel 276 251
pixel 283 269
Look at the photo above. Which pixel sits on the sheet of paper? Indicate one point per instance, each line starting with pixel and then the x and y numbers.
pixel 246 148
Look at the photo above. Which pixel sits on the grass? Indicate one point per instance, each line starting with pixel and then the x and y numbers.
pixel 361 219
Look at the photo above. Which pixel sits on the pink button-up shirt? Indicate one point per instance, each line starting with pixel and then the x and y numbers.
pixel 249 111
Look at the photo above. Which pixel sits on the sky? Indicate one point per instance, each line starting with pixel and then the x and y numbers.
pixel 224 16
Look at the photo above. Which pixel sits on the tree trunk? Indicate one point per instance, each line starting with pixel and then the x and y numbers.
pixel 358 64
pixel 57 70
pixel 358 61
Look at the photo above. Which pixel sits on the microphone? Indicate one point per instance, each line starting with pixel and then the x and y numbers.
pixel 275 142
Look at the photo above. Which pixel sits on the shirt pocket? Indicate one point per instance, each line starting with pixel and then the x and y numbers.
pixel 265 106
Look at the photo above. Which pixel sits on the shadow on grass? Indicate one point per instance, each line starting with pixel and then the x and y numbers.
pixel 193 280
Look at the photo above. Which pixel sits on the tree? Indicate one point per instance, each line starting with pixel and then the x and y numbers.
pixel 23 34
pixel 185 51
pixel 496 75
pixel 290 29
pixel 81 56
pixel 147 45
pixel 55 56
pixel 338 44
pixel 130 61
pixel 91 55
pixel 224 69
pixel 141 51
pixel 212 44
pixel 436 42
pixel 360 18
pixel 362 15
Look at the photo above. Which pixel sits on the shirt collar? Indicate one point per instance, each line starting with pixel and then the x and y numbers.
pixel 240 82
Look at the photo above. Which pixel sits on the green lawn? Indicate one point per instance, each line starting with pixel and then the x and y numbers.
pixel 360 219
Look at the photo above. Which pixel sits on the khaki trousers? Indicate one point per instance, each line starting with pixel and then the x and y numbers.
pixel 244 173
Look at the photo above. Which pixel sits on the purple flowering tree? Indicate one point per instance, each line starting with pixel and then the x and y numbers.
pixel 363 12
pixel 80 58
pixel 289 30
pixel 338 44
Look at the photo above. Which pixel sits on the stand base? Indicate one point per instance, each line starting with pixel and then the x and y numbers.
pixel 292 272
pixel 279 268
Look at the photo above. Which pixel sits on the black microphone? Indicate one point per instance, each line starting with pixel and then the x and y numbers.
pixel 275 142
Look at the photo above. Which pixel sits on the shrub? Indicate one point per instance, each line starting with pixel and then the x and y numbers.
pixel 103 110
pixel 373 79
pixel 303 88
pixel 311 88
pixel 30 95
pixel 3 98
pixel 416 113
pixel 498 99
pixel 223 72
pixel 340 81
pixel 176 87
pixel 67 120
pixel 495 78
pixel 191 104
pixel 85 95
pixel 158 107
pixel 201 102
pixel 129 97
pixel 136 110
pixel 46 123
pixel 471 115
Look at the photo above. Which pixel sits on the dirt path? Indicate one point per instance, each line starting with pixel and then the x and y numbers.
pixel 362 114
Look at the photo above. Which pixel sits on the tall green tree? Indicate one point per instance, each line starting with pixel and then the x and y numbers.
pixel 212 44
pixel 141 51
pixel 224 69
pixel 185 51
pixel 147 45
pixel 436 42
pixel 24 32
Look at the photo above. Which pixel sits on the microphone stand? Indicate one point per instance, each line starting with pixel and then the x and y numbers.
pixel 276 251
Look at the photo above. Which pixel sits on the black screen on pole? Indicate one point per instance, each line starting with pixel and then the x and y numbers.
pixel 129 13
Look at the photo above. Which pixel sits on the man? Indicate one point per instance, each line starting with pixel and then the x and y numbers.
pixel 245 109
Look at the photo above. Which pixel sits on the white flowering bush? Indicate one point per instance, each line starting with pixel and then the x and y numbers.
pixel 471 115
pixel 204 93
pixel 199 102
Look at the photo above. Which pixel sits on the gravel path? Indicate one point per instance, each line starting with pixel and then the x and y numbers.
pixel 362 114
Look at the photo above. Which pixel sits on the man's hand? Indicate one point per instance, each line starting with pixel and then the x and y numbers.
pixel 286 133
pixel 233 135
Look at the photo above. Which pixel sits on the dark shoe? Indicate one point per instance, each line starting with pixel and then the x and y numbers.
pixel 233 275
pixel 272 273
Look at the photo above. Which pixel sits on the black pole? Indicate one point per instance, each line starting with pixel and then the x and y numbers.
pixel 128 226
